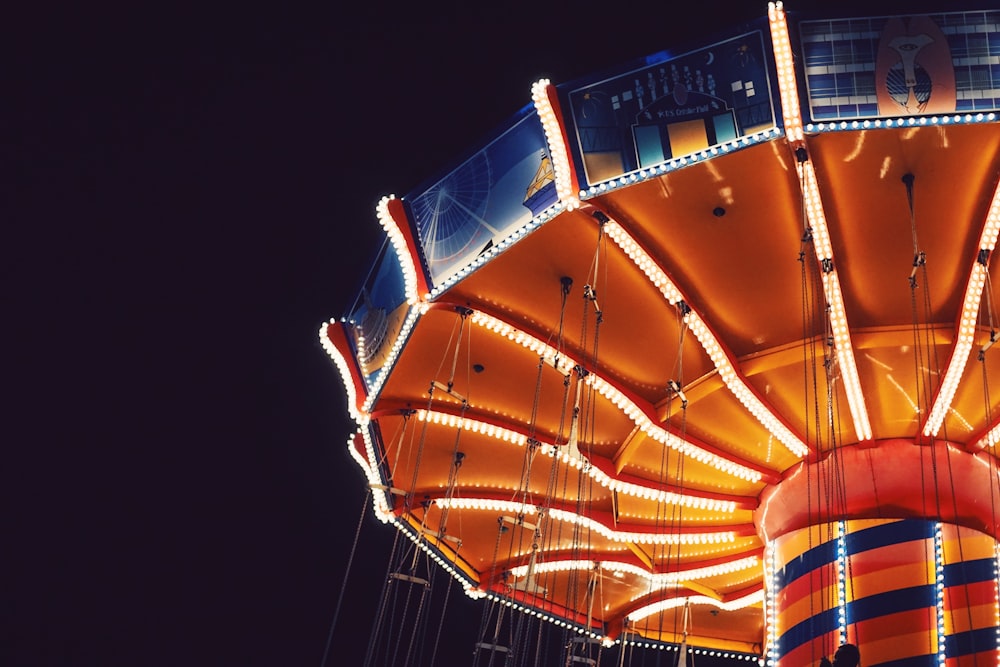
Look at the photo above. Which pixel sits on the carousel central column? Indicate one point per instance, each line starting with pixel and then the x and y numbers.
pixel 900 561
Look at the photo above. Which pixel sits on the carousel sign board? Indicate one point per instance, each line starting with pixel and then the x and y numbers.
pixel 669 107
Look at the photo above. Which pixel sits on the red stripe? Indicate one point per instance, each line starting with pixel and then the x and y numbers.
pixel 903 622
pixel 813 581
pixel 970 595
pixel 810 652
pixel 891 555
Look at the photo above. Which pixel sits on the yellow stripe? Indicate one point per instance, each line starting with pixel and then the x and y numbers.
pixel 890 579
pixel 971 545
pixel 982 616
pixel 898 647
pixel 793 545
pixel 856 525
pixel 807 606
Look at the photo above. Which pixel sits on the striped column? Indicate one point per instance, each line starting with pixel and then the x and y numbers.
pixel 970 618
pixel 907 592
pixel 891 591
pixel 806 594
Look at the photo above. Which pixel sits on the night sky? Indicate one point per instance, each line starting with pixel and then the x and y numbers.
pixel 196 192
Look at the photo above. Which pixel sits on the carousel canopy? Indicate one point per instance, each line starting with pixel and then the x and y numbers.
pixel 672 314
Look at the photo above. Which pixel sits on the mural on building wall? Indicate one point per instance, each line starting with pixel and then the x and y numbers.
pixel 893 67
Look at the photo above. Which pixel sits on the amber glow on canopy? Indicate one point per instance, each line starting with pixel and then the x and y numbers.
pixel 595 473
pixel 754 598
pixel 641 416
pixel 708 340
pixel 968 324
pixel 635 537
pixel 655 581
pixel 791 113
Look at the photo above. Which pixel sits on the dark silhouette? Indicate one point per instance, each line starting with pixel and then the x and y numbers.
pixel 847 655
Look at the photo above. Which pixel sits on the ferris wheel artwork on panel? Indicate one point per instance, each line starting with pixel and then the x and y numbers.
pixel 451 214
pixel 483 200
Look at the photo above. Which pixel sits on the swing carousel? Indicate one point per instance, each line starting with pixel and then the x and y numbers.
pixel 697 357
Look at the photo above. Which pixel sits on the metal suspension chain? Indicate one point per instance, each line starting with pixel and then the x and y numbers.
pixel 347 571
pixel 813 297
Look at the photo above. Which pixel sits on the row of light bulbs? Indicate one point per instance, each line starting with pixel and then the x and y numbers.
pixel 608 642
pixel 558 152
pixel 653 581
pixel 967 328
pixel 709 342
pixel 755 598
pixel 595 473
pixel 628 537
pixel 639 415
pixel 792 116
pixel 878 123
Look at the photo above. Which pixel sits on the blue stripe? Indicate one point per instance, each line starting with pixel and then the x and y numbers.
pixel 969 572
pixel 907 530
pixel 807 630
pixel 928 660
pixel 813 559
pixel 891 602
pixel 973 641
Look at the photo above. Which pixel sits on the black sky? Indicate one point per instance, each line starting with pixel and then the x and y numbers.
pixel 195 191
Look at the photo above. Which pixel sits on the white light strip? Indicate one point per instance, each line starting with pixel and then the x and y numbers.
pixel 555 620
pixel 343 368
pixel 635 537
pixel 842 568
pixel 909 121
pixel 835 300
pixel 467 586
pixel 967 324
pixel 939 591
pixel 785 64
pixel 770 605
pixel 373 479
pixel 398 241
pixel 996 599
pixel 739 389
pixel 654 580
pixel 561 453
pixel 498 248
pixel 757 597
pixel 632 537
pixel 417 309
pixel 845 356
pixel 960 354
pixel 991 438
pixel 564 364
pixel 643 261
pixel 733 381
pixel 412 316
pixel 557 147
pixel 791 112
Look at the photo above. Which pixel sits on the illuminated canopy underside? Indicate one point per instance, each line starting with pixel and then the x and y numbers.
pixel 673 492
